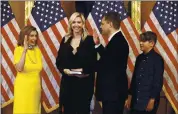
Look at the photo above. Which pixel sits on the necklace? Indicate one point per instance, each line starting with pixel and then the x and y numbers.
pixel 34 61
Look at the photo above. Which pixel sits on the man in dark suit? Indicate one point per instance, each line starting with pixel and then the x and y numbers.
pixel 111 82
pixel 147 81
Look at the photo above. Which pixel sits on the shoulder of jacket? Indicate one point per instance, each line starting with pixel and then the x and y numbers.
pixel 157 56
pixel 89 37
pixel 119 33
pixel 139 55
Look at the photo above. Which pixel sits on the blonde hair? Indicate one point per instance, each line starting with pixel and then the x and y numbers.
pixel 70 31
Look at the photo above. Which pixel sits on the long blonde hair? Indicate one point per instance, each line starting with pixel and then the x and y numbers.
pixel 70 31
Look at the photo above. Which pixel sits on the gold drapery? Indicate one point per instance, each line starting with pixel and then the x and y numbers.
pixel 28 8
pixel 136 14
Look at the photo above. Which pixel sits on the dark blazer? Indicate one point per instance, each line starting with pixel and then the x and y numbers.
pixel 111 82
pixel 147 80
pixel 85 58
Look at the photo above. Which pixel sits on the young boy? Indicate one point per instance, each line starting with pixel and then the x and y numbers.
pixel 147 81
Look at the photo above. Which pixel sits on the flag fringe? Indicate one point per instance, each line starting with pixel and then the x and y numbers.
pixel 7 103
pixel 48 110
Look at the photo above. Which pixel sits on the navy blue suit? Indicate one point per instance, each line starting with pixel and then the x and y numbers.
pixel 147 80
pixel 111 82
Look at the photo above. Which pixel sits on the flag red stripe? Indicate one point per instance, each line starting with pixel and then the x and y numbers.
pixel 105 39
pixel 171 75
pixel 64 24
pixel 89 28
pixel 50 64
pixel 7 79
pixel 8 41
pixel 13 29
pixel 129 82
pixel 49 85
pixel 172 39
pixel 172 97
pixel 49 42
pixel 163 43
pixel 45 99
pixel 8 61
pixel 57 34
pixel 129 39
pixel 130 64
pixel 133 27
pixel 4 94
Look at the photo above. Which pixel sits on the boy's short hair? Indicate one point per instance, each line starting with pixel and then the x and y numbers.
pixel 148 36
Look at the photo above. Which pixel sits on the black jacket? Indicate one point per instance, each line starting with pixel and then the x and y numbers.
pixel 111 82
pixel 85 58
pixel 147 80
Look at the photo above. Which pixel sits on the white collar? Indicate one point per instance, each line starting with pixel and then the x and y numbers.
pixel 109 39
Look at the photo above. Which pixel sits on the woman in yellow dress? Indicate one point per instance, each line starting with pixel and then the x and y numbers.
pixel 28 63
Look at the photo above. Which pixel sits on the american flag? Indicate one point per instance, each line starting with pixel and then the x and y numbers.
pixel 9 35
pixel 49 19
pixel 127 28
pixel 163 20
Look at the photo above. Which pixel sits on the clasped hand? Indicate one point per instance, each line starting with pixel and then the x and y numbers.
pixel 67 71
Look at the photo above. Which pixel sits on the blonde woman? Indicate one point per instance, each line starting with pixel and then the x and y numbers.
pixel 28 63
pixel 76 60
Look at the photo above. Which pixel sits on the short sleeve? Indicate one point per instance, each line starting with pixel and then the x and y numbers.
pixel 17 54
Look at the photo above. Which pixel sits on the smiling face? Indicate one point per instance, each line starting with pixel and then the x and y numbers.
pixel 32 38
pixel 77 25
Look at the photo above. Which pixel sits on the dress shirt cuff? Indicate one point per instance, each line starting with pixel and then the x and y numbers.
pixel 96 46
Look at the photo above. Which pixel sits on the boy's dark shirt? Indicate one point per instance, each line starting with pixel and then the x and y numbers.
pixel 147 80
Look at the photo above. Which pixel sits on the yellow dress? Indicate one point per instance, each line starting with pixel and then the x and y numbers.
pixel 27 85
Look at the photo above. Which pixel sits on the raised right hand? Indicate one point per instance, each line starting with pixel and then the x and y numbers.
pixel 67 71
pixel 25 43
